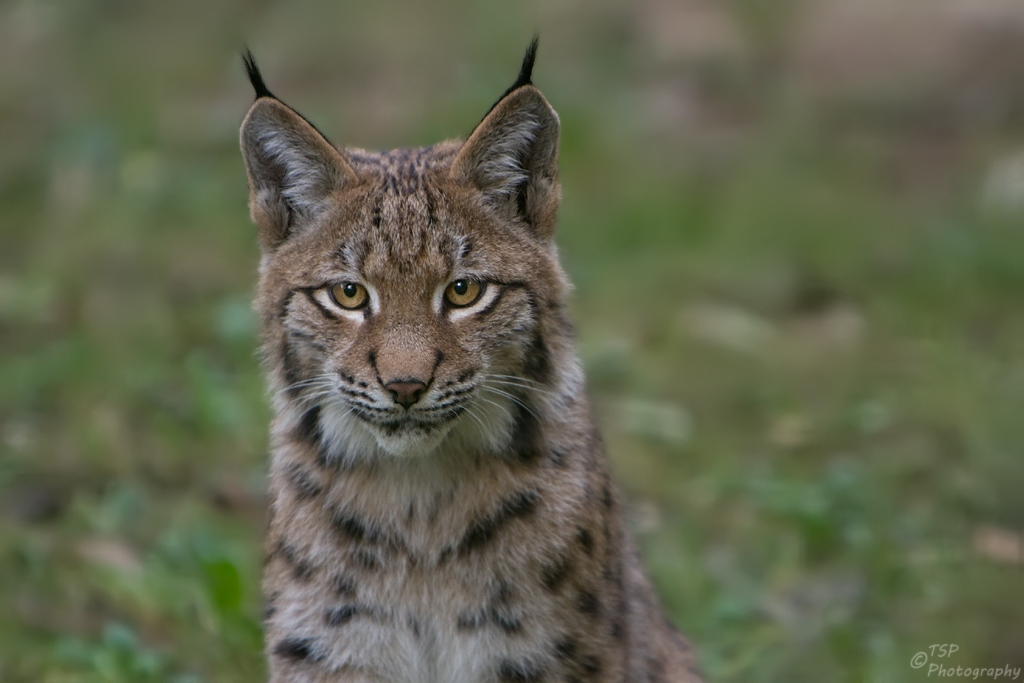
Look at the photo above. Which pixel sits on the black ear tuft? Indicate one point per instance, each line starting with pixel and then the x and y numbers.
pixel 526 70
pixel 255 77
pixel 525 73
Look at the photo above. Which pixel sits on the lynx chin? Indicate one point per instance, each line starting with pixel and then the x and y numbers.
pixel 440 506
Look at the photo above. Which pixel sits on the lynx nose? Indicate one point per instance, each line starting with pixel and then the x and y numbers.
pixel 406 392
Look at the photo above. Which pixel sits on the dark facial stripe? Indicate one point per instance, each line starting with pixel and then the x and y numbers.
pixel 502 593
pixel 565 648
pixel 302 482
pixel 282 306
pixel 554 574
pixel 343 586
pixel 455 392
pixel 308 429
pixel 302 569
pixel 500 611
pixel 501 617
pixel 484 529
pixel 586 541
pixel 587 603
pixel 520 671
pixel 591 664
pixel 371 356
pixel 506 621
pixel 471 621
pixel 494 302
pixel 607 496
pixel 367 412
pixel 559 458
pixel 352 527
pixel 431 208
pixel 312 299
pixel 354 393
pixel 339 616
pixel 617 631
pixel 367 560
pixel 305 336
pixel 525 436
pixel 538 361
pixel 297 650
pixel 292 371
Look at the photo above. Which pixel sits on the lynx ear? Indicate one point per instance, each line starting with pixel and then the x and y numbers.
pixel 512 155
pixel 292 168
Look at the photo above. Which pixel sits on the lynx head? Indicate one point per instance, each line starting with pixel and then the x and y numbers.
pixel 410 299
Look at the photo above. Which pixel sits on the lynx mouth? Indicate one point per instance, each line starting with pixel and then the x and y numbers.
pixel 407 435
pixel 410 423
pixel 468 423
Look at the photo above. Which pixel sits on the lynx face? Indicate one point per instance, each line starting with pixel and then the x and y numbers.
pixel 408 292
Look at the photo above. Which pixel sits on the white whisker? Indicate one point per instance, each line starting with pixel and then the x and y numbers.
pixel 319 381
pixel 520 382
pixel 513 398
pixel 504 408
pixel 479 420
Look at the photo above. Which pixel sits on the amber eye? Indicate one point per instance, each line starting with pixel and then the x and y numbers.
pixel 463 292
pixel 349 295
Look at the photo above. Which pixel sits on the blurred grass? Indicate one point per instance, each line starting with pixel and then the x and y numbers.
pixel 798 300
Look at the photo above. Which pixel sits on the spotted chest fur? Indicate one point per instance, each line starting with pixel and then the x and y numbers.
pixel 440 506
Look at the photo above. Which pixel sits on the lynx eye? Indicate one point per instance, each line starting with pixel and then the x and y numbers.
pixel 463 292
pixel 349 295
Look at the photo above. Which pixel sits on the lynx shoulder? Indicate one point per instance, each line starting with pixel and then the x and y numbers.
pixel 441 509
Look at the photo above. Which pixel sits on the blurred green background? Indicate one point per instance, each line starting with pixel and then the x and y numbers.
pixel 796 228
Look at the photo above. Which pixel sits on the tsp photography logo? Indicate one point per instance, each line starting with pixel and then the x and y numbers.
pixel 937 659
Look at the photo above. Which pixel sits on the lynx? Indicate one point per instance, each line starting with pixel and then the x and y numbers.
pixel 440 507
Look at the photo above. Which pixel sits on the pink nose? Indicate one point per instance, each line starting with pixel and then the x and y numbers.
pixel 406 392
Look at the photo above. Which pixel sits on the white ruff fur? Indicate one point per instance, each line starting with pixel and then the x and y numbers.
pixel 486 426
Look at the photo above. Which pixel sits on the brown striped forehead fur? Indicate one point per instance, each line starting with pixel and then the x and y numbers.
pixel 406 226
